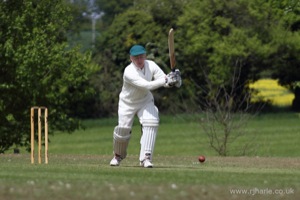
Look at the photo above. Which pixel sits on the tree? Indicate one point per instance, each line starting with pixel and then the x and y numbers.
pixel 224 118
pixel 213 35
pixel 112 8
pixel 285 59
pixel 220 38
pixel 216 34
pixel 165 13
pixel 38 69
pixel 146 23
pixel 113 53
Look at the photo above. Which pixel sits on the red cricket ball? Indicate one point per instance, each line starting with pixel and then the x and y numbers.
pixel 201 159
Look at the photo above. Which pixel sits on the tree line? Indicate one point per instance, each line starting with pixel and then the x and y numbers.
pixel 213 40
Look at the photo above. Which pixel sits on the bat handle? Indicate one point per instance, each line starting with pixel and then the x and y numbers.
pixel 173 69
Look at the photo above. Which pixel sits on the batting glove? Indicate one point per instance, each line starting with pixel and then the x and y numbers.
pixel 178 78
pixel 170 80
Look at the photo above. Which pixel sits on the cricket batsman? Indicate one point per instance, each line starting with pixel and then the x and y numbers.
pixel 139 78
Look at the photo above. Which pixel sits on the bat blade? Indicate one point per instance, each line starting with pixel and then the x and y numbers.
pixel 171 49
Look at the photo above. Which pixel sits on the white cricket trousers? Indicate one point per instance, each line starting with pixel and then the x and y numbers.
pixel 149 119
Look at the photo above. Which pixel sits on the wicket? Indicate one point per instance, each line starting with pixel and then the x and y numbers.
pixel 39 109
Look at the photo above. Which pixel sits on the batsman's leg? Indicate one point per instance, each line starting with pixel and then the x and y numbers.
pixel 147 145
pixel 150 121
pixel 121 140
pixel 122 132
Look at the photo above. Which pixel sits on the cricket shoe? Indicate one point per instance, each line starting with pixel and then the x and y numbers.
pixel 116 160
pixel 146 163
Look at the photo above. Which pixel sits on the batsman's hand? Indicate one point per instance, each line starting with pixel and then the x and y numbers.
pixel 173 79
pixel 178 78
pixel 170 80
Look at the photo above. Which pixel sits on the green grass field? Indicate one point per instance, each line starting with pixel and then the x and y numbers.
pixel 79 164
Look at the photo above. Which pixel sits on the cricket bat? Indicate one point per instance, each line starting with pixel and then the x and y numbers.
pixel 171 49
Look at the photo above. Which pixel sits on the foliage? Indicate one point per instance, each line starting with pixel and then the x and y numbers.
pixel 227 49
pixel 113 53
pixel 285 43
pixel 78 20
pixel 228 34
pixel 112 8
pixel 165 12
pixel 38 70
pixel 142 23
pixel 226 114
pixel 213 36
pixel 130 31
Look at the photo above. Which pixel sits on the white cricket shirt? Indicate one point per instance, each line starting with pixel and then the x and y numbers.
pixel 137 83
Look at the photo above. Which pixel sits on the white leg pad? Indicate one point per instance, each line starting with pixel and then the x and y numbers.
pixel 121 140
pixel 148 141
